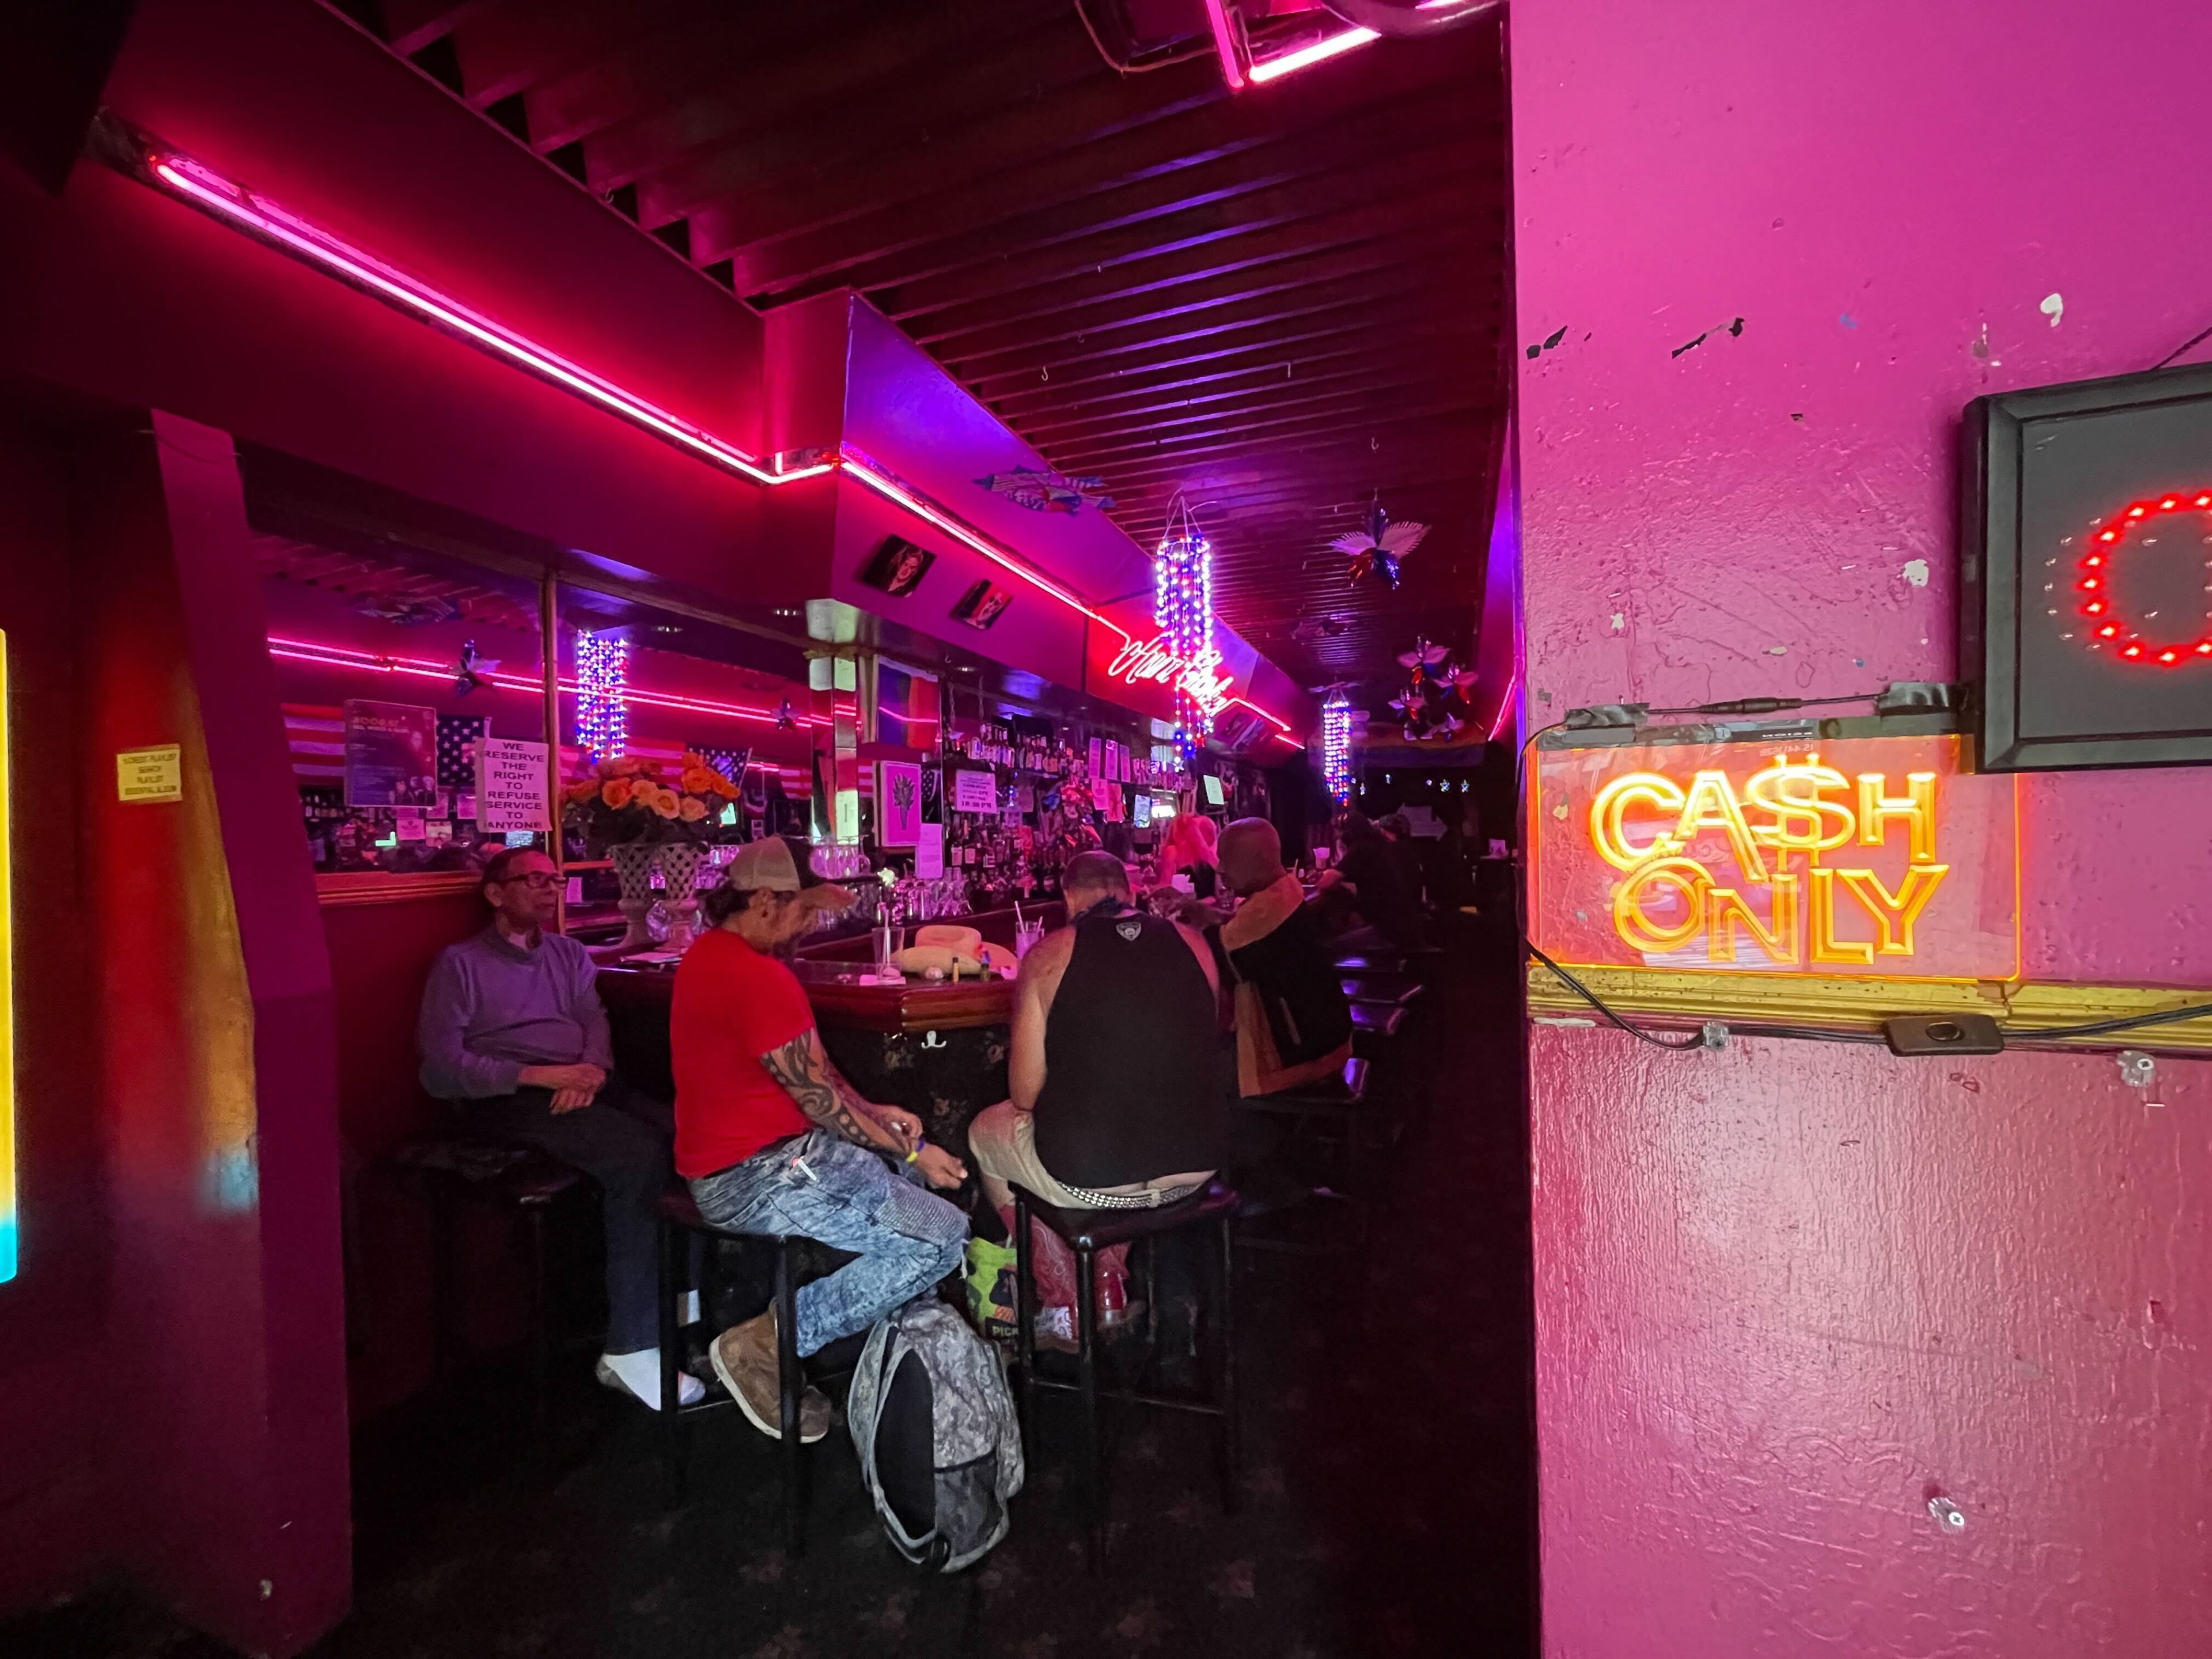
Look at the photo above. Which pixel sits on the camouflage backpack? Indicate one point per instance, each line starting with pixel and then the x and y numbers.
pixel 940 1449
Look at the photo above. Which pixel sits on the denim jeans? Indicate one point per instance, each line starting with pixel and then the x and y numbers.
pixel 822 1187
pixel 621 1140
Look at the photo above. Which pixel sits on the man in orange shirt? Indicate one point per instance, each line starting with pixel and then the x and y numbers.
pixel 772 1139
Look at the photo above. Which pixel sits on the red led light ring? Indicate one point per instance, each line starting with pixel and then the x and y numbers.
pixel 2107 625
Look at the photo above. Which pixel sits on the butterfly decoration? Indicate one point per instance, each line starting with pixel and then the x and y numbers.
pixel 1312 630
pixel 1377 548
pixel 404 610
pixel 470 671
pixel 1434 703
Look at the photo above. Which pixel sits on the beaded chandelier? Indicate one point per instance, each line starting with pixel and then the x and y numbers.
pixel 1336 745
pixel 602 679
pixel 1182 605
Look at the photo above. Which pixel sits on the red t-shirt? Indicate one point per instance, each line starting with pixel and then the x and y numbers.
pixel 732 1005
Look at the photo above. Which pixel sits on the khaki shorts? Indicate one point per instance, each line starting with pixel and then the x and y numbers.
pixel 1003 1142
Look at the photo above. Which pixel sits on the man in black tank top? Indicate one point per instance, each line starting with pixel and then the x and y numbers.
pixel 1117 1071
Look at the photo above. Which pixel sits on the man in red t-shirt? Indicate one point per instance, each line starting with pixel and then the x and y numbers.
pixel 772 1140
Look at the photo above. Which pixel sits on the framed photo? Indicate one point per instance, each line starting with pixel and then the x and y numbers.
pixel 983 604
pixel 897 567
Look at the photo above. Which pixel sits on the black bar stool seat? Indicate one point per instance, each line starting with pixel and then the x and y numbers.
pixel 1373 962
pixel 1087 1232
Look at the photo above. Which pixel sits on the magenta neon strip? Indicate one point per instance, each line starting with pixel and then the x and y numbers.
pixel 1273 69
pixel 339 656
pixel 240 206
pixel 856 468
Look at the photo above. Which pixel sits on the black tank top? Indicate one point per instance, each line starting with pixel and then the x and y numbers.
pixel 1134 1077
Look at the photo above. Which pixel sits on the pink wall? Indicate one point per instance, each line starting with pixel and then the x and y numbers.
pixel 1786 1295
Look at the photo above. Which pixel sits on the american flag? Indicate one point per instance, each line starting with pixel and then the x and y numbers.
pixel 457 735
pixel 316 736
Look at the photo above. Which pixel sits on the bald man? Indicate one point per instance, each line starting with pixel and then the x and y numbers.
pixel 1116 1072
pixel 1293 1023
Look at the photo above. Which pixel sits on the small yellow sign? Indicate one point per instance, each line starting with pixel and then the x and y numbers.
pixel 150 774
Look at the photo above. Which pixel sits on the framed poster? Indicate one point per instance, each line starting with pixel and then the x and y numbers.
pixel 983 604
pixel 898 802
pixel 897 567
pixel 390 754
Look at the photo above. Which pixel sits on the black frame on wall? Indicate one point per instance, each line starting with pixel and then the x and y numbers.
pixel 2020 450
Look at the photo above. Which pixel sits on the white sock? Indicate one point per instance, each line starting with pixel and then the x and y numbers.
pixel 640 1373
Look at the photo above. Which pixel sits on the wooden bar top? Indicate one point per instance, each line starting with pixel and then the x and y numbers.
pixel 840 999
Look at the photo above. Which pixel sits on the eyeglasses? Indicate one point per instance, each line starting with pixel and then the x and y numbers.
pixel 539 881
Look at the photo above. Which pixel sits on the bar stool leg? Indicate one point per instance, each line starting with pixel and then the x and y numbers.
pixel 1224 1325
pixel 541 1336
pixel 444 1250
pixel 790 1381
pixel 1087 1359
pixel 1025 1319
pixel 672 1459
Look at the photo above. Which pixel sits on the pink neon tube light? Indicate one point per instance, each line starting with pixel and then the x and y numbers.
pixel 210 189
pixel 856 468
pixel 1273 69
pixel 242 207
pixel 339 656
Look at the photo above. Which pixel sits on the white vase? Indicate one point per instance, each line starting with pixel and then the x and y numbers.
pixel 679 876
pixel 633 861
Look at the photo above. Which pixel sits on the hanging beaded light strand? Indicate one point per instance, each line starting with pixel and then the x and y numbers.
pixel 1336 745
pixel 602 711
pixel 1182 605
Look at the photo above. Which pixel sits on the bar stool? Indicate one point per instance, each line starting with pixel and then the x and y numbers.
pixel 1394 988
pixel 1087 1232
pixel 1340 1104
pixel 680 1220
pixel 453 1169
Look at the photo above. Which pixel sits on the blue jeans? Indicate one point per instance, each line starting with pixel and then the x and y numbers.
pixel 822 1187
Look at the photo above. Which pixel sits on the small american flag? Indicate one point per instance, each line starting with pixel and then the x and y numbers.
pixel 457 735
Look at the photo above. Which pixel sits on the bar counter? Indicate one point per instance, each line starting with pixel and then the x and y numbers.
pixel 937 1048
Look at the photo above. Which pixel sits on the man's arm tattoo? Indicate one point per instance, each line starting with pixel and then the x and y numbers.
pixel 818 1092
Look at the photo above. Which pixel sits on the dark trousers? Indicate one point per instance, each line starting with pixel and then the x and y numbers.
pixel 623 1140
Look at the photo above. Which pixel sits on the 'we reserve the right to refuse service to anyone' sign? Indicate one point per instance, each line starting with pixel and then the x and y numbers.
pixel 511 785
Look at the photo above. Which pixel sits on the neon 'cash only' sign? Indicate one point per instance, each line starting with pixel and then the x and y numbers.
pixel 1877 857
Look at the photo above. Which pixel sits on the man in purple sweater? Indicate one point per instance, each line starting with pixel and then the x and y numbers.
pixel 513 1034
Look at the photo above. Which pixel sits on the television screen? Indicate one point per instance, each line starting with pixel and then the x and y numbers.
pixel 2087 614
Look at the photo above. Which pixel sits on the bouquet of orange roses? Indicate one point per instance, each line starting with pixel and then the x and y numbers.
pixel 630 799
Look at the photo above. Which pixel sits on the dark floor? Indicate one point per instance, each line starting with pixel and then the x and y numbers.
pixel 1388 1504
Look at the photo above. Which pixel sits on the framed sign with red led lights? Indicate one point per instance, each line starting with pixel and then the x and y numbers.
pixel 1873 857
pixel 2087 613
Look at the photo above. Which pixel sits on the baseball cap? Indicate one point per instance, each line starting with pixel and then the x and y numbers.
pixel 776 862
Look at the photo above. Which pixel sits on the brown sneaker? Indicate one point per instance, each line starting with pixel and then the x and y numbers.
pixel 744 1357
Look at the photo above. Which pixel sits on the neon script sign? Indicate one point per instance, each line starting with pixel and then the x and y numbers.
pixel 1155 660
pixel 1871 856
